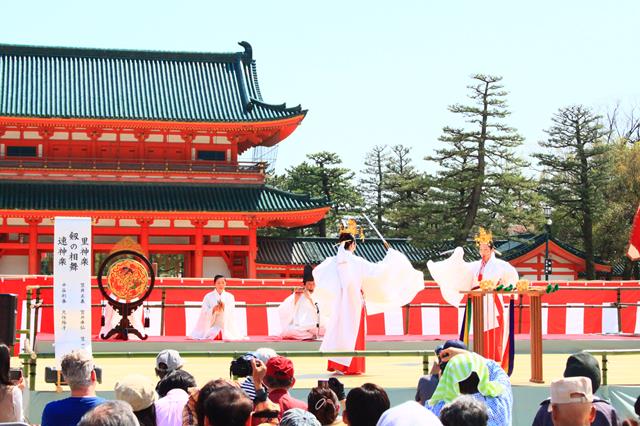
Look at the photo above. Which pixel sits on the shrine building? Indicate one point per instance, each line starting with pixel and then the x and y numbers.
pixel 146 144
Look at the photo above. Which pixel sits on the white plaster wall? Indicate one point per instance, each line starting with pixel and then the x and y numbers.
pixel 14 265
pixel 212 266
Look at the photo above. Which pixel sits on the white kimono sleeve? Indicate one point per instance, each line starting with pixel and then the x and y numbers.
pixel 453 275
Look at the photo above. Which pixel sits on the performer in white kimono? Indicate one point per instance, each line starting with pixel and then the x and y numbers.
pixel 300 315
pixel 348 287
pixel 454 275
pixel 217 316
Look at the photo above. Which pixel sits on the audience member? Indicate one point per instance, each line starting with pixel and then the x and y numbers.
pixel 175 388
pixel 323 403
pixel 10 393
pixel 582 364
pixel 632 422
pixel 193 412
pixel 227 406
pixel 464 411
pixel 140 393
pixel 338 388
pixel 77 370
pixel 279 379
pixel 264 355
pixel 298 417
pixel 468 373
pixel 110 413
pixel 571 402
pixel 427 384
pixel 408 413
pixel 365 405
pixel 168 360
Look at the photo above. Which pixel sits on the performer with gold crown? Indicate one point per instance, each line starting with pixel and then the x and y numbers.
pixel 349 288
pixel 454 275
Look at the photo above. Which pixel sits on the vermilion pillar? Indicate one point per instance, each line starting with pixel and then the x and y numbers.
pixel 34 259
pixel 144 233
pixel 198 247
pixel 253 247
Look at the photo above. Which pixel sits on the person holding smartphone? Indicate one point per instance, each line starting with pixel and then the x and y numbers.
pixel 11 409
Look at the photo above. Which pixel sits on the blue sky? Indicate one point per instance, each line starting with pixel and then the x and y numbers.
pixel 371 72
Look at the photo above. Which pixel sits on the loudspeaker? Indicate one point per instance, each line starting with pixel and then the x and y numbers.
pixel 8 311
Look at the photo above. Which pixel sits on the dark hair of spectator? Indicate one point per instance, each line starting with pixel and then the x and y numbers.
pixel 147 417
pixel 469 386
pixel 365 404
pixel 323 403
pixel 636 406
pixel 227 406
pixel 350 240
pixel 464 411
pixel 177 379
pixel 203 394
pixel 5 358
pixel 217 277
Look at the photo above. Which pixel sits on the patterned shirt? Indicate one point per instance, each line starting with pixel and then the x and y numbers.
pixel 499 408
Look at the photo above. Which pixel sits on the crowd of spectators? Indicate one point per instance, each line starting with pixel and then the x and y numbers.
pixel 462 389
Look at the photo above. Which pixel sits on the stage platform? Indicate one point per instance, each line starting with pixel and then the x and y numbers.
pixel 552 344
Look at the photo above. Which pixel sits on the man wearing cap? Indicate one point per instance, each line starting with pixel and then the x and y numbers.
pixel 279 379
pixel 217 316
pixel 138 391
pixel 582 364
pixel 168 360
pixel 572 402
pixel 299 313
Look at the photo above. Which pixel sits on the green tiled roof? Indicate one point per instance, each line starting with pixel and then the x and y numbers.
pixel 110 196
pixel 55 82
pixel 313 250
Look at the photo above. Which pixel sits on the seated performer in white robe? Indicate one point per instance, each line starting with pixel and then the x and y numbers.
pixel 346 282
pixel 217 316
pixel 300 315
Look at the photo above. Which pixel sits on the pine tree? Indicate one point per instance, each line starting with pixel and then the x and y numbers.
pixel 373 184
pixel 406 194
pixel 471 179
pixel 574 171
pixel 323 177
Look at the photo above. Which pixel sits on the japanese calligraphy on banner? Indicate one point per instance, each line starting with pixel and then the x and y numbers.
pixel 72 285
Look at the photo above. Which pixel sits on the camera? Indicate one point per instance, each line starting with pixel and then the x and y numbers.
pixel 241 366
pixel 15 374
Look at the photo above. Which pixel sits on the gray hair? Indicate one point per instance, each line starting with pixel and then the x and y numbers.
pixel 110 413
pixel 76 368
pixel 464 411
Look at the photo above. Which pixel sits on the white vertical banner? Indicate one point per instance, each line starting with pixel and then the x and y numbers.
pixel 72 285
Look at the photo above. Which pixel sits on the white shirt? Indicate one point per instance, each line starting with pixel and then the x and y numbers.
pixel 169 409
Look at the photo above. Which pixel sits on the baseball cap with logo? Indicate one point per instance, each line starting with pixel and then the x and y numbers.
pixel 170 358
pixel 280 368
pixel 571 390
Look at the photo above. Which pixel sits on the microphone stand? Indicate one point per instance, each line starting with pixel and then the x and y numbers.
pixel 317 320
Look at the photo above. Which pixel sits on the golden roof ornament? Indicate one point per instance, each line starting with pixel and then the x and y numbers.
pixel 127 243
pixel 350 226
pixel 483 237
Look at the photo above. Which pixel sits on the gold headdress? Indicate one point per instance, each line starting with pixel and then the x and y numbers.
pixel 483 237
pixel 350 226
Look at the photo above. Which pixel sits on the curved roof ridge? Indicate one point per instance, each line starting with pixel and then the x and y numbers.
pixel 102 53
pixel 305 197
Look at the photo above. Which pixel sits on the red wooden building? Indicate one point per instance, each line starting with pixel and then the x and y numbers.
pixel 147 144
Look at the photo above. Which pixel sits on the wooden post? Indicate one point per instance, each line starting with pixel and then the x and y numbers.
pixel 198 257
pixel 478 322
pixel 535 311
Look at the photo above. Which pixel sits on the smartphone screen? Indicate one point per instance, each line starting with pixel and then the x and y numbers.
pixel 323 384
pixel 15 374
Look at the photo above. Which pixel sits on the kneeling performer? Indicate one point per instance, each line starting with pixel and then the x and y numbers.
pixel 217 316
pixel 300 316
